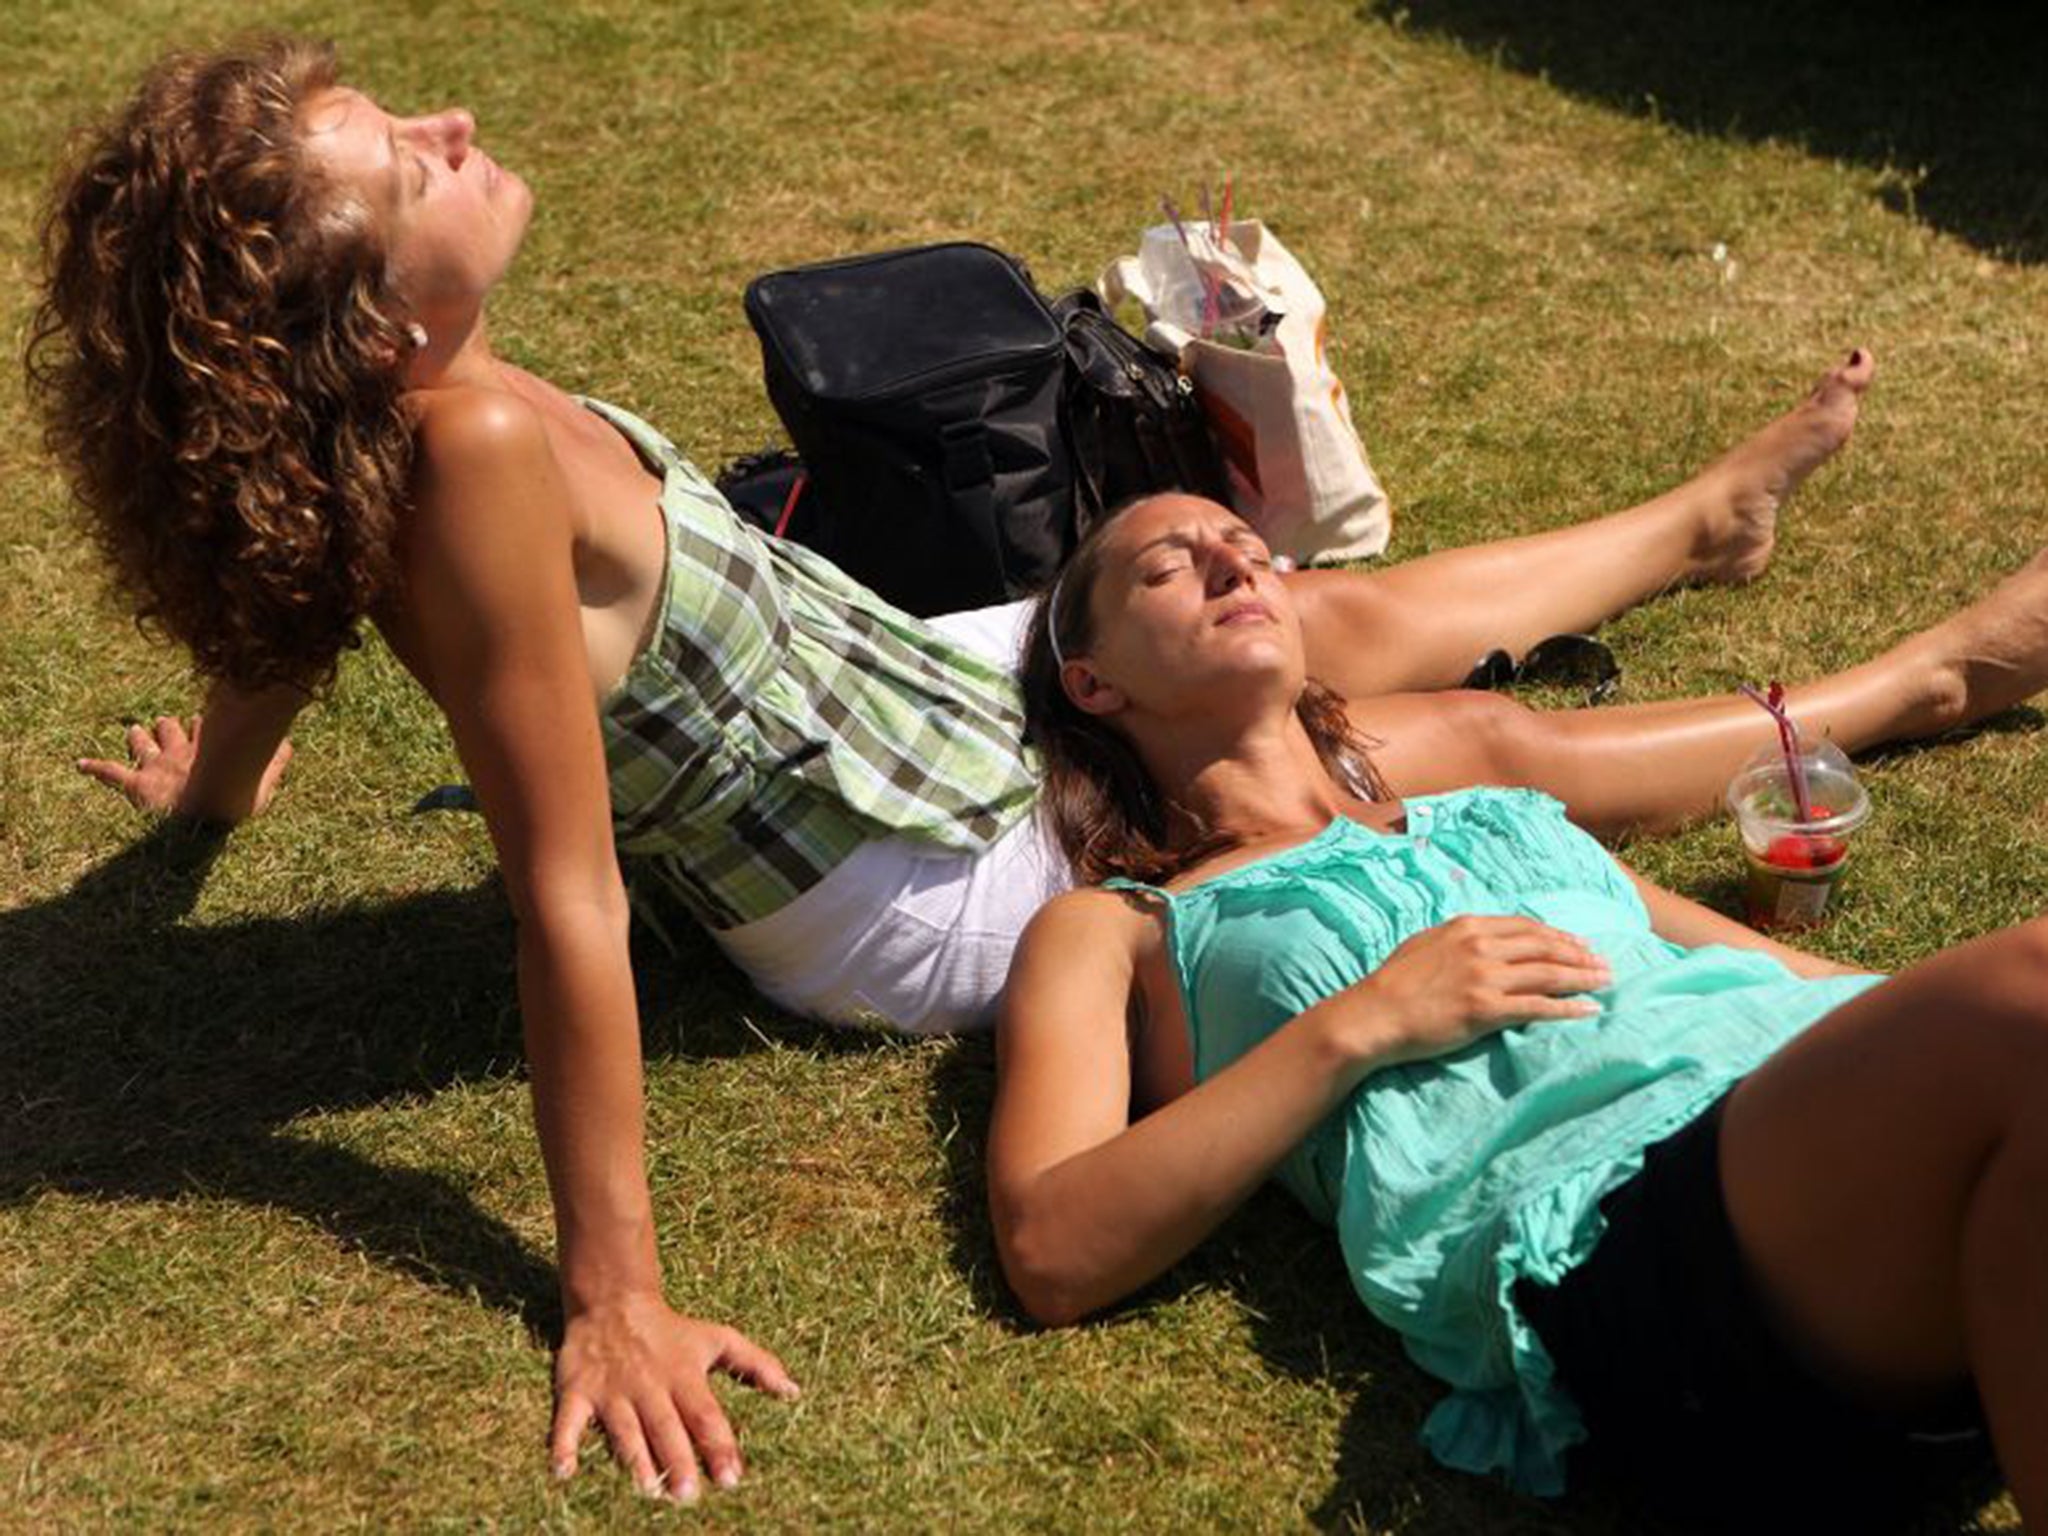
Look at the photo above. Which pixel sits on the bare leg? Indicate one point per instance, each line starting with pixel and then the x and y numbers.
pixel 1423 623
pixel 1885 1175
pixel 1651 766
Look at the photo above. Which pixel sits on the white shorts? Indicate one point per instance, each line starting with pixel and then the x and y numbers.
pixel 913 933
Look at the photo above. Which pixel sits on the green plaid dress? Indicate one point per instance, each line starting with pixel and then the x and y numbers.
pixel 782 715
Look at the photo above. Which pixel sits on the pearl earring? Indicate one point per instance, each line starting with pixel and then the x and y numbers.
pixel 418 333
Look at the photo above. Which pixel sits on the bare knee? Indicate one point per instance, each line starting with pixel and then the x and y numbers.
pixel 1513 743
pixel 2012 973
pixel 2002 1016
pixel 1353 632
pixel 2020 978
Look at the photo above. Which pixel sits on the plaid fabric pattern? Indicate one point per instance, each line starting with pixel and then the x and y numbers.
pixel 781 715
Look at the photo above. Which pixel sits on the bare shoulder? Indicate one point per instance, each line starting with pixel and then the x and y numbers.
pixel 483 464
pixel 465 425
pixel 1085 946
pixel 1091 919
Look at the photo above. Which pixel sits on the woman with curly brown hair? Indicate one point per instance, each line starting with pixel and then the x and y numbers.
pixel 263 355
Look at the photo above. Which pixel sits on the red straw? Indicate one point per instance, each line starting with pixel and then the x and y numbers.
pixel 1773 704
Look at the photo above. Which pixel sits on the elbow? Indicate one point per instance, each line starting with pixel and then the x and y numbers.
pixel 549 908
pixel 1047 1299
pixel 1039 1268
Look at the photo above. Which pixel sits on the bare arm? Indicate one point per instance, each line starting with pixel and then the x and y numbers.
pixel 494 609
pixel 1686 922
pixel 1089 1206
pixel 495 612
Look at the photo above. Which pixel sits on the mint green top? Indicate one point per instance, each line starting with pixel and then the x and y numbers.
pixel 1449 1180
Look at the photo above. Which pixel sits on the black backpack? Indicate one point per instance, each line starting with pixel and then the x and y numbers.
pixel 959 433
pixel 922 389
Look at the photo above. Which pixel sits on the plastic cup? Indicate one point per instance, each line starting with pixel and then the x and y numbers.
pixel 1795 865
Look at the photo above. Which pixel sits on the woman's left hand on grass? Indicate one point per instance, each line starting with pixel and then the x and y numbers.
pixel 160 768
pixel 643 1372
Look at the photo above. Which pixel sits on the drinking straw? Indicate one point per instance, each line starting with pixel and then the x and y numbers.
pixel 1229 186
pixel 1173 217
pixel 1212 303
pixel 1773 704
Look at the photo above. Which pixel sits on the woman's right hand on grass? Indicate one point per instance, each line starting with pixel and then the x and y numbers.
pixel 1473 976
pixel 159 769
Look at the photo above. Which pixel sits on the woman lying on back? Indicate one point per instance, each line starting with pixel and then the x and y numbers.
pixel 1611 1164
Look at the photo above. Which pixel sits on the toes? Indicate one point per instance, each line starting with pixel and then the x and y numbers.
pixel 1856 373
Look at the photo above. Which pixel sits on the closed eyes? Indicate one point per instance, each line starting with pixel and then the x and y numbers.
pixel 1249 545
pixel 1175 552
pixel 1256 555
pixel 400 154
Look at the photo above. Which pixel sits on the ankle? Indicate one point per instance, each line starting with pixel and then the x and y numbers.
pixel 1941 694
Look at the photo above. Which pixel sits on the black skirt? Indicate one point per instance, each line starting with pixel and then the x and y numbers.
pixel 1690 1393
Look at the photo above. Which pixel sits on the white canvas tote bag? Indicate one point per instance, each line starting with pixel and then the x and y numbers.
pixel 1298 472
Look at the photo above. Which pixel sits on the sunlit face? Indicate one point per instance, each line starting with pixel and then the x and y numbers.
pixel 1186 600
pixel 451 217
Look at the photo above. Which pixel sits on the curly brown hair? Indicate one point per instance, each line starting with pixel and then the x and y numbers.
pixel 219 362
pixel 1096 795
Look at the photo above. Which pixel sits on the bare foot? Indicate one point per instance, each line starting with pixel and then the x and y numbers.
pixel 1758 475
pixel 1992 655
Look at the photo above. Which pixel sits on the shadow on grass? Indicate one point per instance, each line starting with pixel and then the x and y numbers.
pixel 144 1058
pixel 957 1108
pixel 1947 95
pixel 1286 1273
pixel 2020 720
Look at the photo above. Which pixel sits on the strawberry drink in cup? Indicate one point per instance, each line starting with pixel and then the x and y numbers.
pixel 1795 860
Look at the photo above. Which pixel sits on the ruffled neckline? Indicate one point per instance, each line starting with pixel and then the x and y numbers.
pixel 1423 817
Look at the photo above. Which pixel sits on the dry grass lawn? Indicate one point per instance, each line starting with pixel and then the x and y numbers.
pixel 274 1238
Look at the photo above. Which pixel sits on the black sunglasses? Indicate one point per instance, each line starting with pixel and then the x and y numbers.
pixel 1562 661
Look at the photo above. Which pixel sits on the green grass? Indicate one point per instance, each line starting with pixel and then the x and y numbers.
pixel 274 1238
